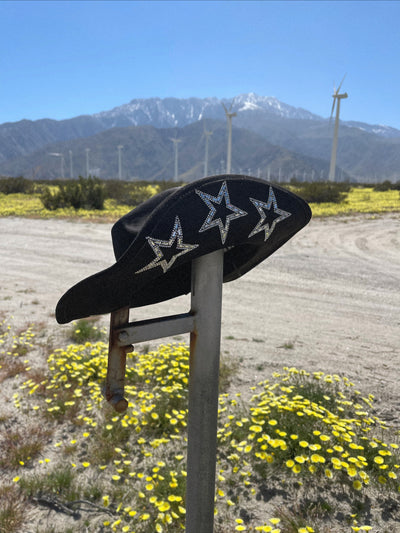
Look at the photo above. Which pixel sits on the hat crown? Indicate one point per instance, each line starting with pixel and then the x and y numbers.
pixel 126 229
pixel 156 242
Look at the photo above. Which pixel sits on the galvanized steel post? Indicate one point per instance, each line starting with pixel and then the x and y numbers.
pixel 204 324
pixel 207 278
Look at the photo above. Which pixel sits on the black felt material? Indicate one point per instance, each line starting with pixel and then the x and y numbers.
pixel 155 243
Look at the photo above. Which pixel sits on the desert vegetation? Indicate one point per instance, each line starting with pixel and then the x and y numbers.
pixel 92 198
pixel 300 452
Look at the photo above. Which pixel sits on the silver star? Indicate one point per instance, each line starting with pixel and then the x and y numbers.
pixel 157 244
pixel 261 207
pixel 209 222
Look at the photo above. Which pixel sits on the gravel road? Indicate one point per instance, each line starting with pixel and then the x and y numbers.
pixel 328 300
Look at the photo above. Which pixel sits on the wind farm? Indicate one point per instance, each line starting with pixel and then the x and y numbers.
pixel 252 134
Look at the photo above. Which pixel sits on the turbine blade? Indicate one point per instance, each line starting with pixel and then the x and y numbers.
pixel 333 108
pixel 341 82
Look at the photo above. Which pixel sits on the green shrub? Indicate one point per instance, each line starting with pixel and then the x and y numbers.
pixel 85 193
pixel 140 194
pixel 85 330
pixel 384 186
pixel 50 200
pixel 320 192
pixel 130 193
pixel 16 185
pixel 115 189
pixel 134 193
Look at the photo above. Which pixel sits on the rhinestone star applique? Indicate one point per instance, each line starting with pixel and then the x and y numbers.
pixel 212 202
pixel 262 207
pixel 174 248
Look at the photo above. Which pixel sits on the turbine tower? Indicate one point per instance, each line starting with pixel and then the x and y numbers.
pixel 87 150
pixel 336 100
pixel 56 154
pixel 120 162
pixel 71 173
pixel 229 116
pixel 176 141
pixel 207 138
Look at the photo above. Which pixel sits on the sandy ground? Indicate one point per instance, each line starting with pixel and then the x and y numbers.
pixel 328 300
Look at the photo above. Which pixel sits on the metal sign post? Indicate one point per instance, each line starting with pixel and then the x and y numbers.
pixel 204 324
pixel 207 277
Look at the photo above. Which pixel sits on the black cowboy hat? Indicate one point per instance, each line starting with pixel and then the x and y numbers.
pixel 155 243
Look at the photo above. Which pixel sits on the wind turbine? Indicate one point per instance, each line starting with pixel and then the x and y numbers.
pixel 56 154
pixel 120 162
pixel 229 116
pixel 207 138
pixel 336 100
pixel 176 141
pixel 71 174
pixel 87 150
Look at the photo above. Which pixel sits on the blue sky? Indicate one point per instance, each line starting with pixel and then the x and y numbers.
pixel 60 59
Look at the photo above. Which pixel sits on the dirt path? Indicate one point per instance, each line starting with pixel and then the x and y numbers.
pixel 328 300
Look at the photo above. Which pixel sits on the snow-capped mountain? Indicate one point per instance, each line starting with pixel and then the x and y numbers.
pixel 365 151
pixel 175 112
pixel 158 112
pixel 269 104
pixel 376 129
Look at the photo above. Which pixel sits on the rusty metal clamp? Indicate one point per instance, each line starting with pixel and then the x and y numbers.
pixel 115 380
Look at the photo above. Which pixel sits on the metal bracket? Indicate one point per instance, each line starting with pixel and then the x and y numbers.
pixel 115 380
pixel 124 334
pixel 155 328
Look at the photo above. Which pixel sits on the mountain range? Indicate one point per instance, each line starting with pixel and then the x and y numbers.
pixel 270 138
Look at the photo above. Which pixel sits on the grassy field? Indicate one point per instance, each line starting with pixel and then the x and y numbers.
pixel 358 200
pixel 309 439
pixel 20 204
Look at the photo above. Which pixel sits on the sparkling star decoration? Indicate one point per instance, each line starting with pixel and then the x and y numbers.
pixel 157 245
pixel 210 221
pixel 261 208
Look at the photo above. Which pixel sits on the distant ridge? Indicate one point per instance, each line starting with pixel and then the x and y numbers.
pixel 178 112
pixel 148 154
pixel 365 152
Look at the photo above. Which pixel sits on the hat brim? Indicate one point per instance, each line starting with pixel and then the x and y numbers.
pixel 248 217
